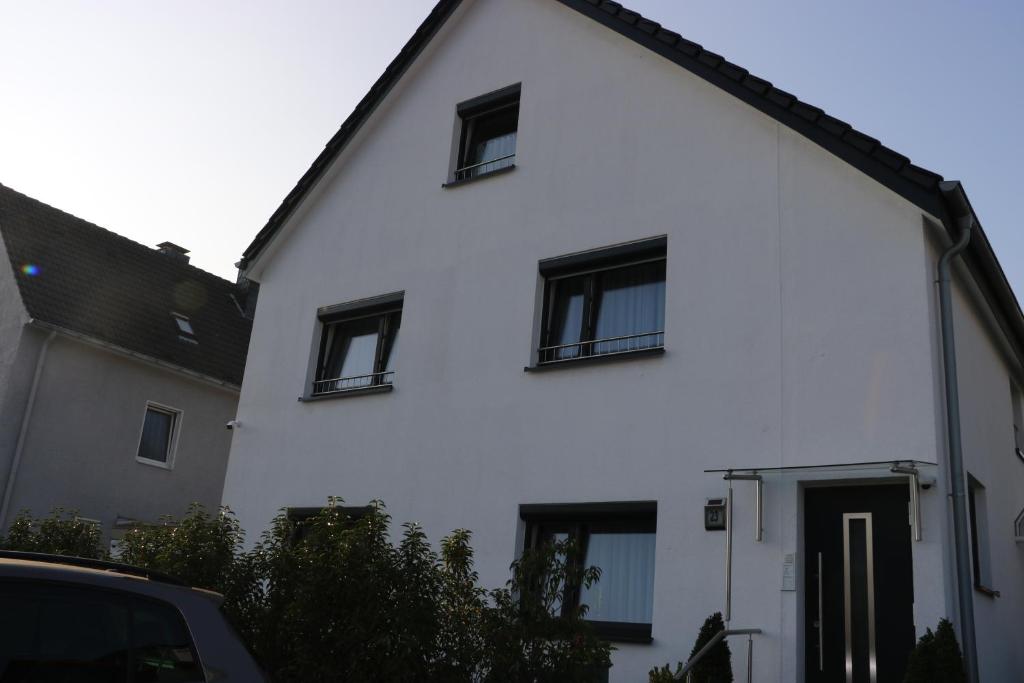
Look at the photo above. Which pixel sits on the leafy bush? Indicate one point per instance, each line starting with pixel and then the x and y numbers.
pixel 62 533
pixel 335 599
pixel 936 658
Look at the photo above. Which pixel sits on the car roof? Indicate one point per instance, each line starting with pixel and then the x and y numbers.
pixel 99 573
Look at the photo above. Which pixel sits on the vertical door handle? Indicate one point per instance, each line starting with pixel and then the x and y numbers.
pixel 821 618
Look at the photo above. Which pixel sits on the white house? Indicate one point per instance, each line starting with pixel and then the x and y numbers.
pixel 622 269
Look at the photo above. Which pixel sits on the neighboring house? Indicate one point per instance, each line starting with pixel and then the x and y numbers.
pixel 700 274
pixel 119 367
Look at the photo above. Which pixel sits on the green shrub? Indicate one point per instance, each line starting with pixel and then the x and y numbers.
pixel 62 533
pixel 936 658
pixel 342 602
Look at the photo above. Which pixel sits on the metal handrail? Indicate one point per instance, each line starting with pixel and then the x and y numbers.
pixel 374 379
pixel 715 639
pixel 483 163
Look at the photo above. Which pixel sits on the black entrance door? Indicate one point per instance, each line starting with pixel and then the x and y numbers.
pixel 859 585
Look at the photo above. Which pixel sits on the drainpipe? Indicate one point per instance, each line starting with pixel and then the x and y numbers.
pixel 962 213
pixel 23 430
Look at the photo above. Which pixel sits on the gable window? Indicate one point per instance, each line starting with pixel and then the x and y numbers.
pixel 490 126
pixel 358 345
pixel 159 431
pixel 619 539
pixel 604 303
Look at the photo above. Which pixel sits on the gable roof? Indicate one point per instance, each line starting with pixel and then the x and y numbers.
pixel 97 284
pixel 888 167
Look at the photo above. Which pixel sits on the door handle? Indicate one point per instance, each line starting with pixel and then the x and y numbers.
pixel 821 618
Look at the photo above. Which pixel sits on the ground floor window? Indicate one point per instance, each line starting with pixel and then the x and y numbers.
pixel 618 538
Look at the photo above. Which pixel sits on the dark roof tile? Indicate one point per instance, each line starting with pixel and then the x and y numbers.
pixel 806 111
pixel 710 58
pixel 780 97
pixel 688 47
pixel 648 26
pixel 921 176
pixel 889 157
pixel 865 143
pixel 736 73
pixel 99 284
pixel 833 125
pixel 668 37
pixel 758 85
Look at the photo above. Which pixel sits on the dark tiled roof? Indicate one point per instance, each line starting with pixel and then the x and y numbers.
pixel 99 284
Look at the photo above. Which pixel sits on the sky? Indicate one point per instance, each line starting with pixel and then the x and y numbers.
pixel 190 120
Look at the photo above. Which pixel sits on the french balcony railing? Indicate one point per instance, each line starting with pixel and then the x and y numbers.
pixel 608 346
pixel 467 172
pixel 338 385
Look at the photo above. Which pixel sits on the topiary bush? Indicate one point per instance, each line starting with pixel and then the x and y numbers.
pixel 936 658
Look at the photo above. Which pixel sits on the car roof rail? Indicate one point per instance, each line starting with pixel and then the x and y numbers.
pixel 89 563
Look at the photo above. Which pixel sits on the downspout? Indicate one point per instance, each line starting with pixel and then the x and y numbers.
pixel 23 430
pixel 963 215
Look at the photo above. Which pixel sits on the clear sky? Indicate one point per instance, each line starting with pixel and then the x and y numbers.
pixel 190 120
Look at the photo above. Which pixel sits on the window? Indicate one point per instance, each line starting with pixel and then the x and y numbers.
pixel 358 345
pixel 604 303
pixel 159 429
pixel 490 125
pixel 61 633
pixel 185 331
pixel 979 536
pixel 618 538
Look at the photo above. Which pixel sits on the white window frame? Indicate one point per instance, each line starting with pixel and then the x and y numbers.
pixel 172 445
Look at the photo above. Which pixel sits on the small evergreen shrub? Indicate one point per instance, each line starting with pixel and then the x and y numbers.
pixel 936 658
pixel 714 667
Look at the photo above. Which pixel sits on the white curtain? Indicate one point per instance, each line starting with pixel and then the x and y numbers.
pixel 632 302
pixel 625 592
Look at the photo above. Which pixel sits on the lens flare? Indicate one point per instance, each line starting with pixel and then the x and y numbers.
pixel 30 269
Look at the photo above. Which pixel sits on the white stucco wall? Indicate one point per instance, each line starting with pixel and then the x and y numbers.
pixel 83 437
pixel 799 328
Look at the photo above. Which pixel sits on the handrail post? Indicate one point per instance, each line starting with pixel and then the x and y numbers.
pixel 750 657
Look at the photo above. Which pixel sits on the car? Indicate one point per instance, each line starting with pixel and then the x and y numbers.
pixel 65 619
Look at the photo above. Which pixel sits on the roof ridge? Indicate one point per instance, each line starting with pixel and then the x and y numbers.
pixel 128 240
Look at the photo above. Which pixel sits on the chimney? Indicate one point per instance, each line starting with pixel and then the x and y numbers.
pixel 173 250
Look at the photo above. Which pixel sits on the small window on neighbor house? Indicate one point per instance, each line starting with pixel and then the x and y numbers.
pixel 619 539
pixel 158 431
pixel 358 348
pixel 603 303
pixel 490 125
pixel 978 513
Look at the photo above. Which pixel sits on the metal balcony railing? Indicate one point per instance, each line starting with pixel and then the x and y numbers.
pixel 473 171
pixel 342 384
pixel 601 347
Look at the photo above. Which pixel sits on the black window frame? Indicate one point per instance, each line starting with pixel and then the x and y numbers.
pixel 387 311
pixel 590 266
pixel 577 519
pixel 472 113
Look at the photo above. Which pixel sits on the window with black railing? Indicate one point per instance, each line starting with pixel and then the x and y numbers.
pixel 357 351
pixel 611 307
pixel 489 130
